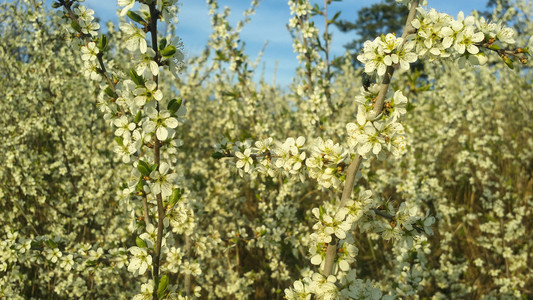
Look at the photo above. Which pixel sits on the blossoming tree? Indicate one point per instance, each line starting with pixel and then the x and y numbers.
pixel 335 190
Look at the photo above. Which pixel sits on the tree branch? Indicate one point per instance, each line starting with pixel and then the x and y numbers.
pixel 380 99
pixel 331 252
pixel 154 15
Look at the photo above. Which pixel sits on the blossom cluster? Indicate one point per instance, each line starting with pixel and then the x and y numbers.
pixel 145 118
pixel 385 51
pixel 437 35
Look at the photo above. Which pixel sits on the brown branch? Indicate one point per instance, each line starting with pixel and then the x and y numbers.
pixel 331 252
pixel 503 53
pixel 154 15
pixel 380 99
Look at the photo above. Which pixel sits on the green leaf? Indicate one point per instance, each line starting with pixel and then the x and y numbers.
pixel 51 244
pixel 140 242
pixel 168 51
pixel 102 43
pixel 162 44
pixel 139 80
pixel 217 155
pixel 337 14
pixel 136 18
pixel 174 105
pixel 176 195
pixel 144 168
pixel 508 62
pixel 140 186
pixel 109 91
pixel 119 140
pixel 75 25
pixel 56 5
pixel 91 263
pixel 494 47
pixel 138 117
pixel 322 211
pixel 162 287
pixel 221 56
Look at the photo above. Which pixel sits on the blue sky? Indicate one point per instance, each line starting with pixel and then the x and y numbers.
pixel 267 25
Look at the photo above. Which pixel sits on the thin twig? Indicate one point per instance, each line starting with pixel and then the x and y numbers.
pixel 157 144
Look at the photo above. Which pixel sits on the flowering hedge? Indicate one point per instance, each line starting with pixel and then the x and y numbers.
pixel 129 171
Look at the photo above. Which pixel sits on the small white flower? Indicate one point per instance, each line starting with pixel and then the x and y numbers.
pixel 124 127
pixel 506 35
pixel 407 55
pixel 125 150
pixel 136 38
pixel 147 93
pixel 89 51
pixel 91 70
pixel 245 161
pixel 89 27
pixel 146 291
pixel 370 140
pixel 149 236
pixel 53 254
pixel 163 181
pixel 466 39
pixel 298 292
pixel 148 62
pixel 67 262
pixel 161 122
pixel 84 14
pixel 140 262
pixel 399 103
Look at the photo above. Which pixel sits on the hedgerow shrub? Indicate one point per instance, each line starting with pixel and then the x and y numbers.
pixel 130 171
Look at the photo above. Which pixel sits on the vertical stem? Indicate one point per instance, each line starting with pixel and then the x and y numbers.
pixel 160 218
pixel 351 173
pixel 331 252
pixel 154 15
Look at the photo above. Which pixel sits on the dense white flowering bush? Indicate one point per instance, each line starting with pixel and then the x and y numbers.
pixel 112 189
